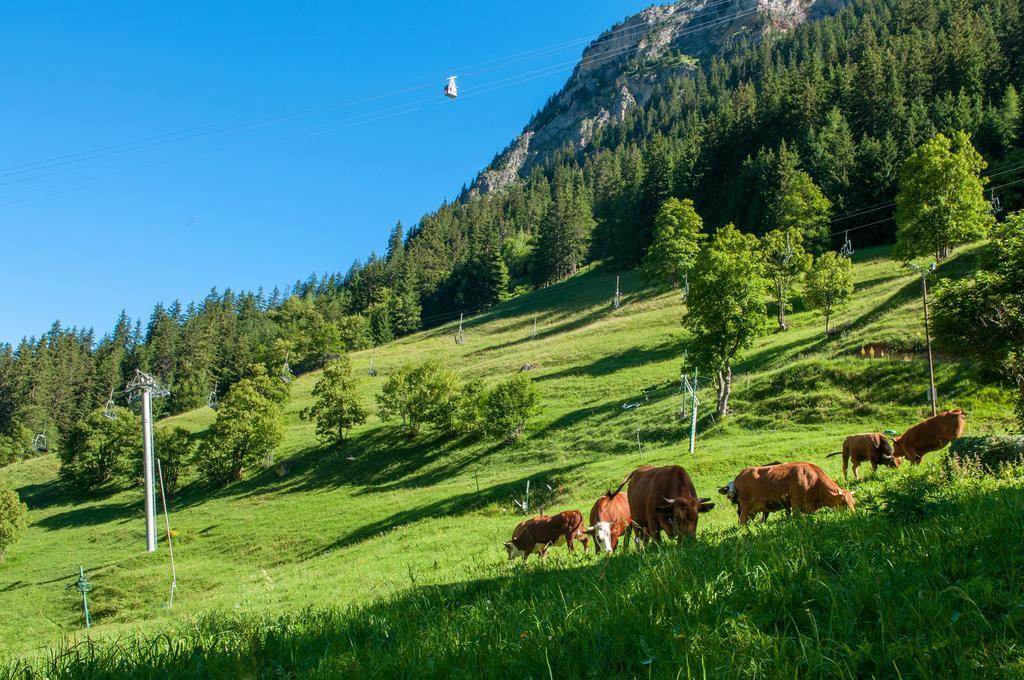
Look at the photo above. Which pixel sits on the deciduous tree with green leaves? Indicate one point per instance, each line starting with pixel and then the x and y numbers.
pixel 247 430
pixel 983 315
pixel 941 200
pixel 829 284
pixel 726 309
pixel 801 204
pixel 335 408
pixel 677 238
pixel 785 262
pixel 418 394
pixel 98 449
pixel 507 408
pixel 13 519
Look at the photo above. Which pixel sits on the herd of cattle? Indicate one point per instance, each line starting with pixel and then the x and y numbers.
pixel 665 499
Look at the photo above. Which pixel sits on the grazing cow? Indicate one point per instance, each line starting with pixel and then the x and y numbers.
pixel 542 532
pixel 785 486
pixel 664 499
pixel 930 435
pixel 873 447
pixel 609 519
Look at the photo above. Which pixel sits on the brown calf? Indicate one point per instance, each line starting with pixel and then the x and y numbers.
pixel 542 532
pixel 609 519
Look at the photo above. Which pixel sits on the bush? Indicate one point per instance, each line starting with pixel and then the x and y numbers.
pixel 336 406
pixel 175 449
pixel 247 430
pixel 507 409
pixel 13 518
pixel 989 453
pixel 910 497
pixel 100 449
pixel 421 394
pixel 354 330
pixel 470 409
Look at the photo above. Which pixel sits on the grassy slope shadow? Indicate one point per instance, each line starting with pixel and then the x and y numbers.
pixel 866 594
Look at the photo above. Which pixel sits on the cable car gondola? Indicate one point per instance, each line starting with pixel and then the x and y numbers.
pixel 450 90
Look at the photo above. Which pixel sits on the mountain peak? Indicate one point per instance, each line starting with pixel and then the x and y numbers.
pixel 621 68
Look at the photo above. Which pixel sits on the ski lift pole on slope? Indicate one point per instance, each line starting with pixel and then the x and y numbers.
pixel 694 403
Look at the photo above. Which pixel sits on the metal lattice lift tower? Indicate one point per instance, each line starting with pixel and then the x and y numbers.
pixel 144 386
pixel 459 337
pixel 617 300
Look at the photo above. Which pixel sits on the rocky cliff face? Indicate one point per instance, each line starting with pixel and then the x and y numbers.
pixel 620 70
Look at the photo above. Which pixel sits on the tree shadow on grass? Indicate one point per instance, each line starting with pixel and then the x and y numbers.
pixel 633 357
pixel 456 504
pixel 92 514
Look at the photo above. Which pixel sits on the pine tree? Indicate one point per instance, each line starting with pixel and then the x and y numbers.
pixel 566 229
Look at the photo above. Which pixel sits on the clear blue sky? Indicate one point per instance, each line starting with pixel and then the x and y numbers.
pixel 281 173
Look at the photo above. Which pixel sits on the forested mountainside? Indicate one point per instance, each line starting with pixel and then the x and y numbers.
pixel 762 113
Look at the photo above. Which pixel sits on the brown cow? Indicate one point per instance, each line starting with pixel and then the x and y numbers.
pixel 542 532
pixel 930 435
pixel 785 486
pixel 609 519
pixel 664 499
pixel 873 447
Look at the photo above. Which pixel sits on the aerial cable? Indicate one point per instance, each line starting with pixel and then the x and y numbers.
pixel 244 124
pixel 369 116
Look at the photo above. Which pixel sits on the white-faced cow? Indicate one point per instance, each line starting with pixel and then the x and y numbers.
pixel 930 435
pixel 784 486
pixel 609 519
pixel 542 532
pixel 873 447
pixel 664 499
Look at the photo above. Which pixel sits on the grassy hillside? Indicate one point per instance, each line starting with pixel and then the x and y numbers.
pixel 354 526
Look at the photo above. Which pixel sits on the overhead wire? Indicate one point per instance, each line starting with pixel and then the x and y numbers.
pixel 245 124
pixel 367 117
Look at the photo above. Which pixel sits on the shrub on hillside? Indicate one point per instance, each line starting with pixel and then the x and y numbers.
pixel 335 408
pixel 99 449
pixel 419 394
pixel 248 428
pixel 507 409
pixel 176 450
pixel 469 413
pixel 355 332
pixel 989 453
pixel 13 518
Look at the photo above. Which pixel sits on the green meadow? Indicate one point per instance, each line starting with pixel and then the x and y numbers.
pixel 385 557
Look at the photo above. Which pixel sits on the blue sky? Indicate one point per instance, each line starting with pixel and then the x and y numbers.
pixel 275 144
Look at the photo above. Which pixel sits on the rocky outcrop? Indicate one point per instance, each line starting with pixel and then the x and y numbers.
pixel 621 69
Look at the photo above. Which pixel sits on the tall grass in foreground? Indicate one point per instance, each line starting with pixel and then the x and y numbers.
pixel 924 580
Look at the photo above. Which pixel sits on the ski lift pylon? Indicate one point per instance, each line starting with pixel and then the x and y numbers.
pixel 451 90
pixel 286 372
pixel 996 205
pixel 212 400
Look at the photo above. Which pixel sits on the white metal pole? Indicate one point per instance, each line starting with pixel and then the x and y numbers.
pixel 170 544
pixel 147 469
pixel 693 413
